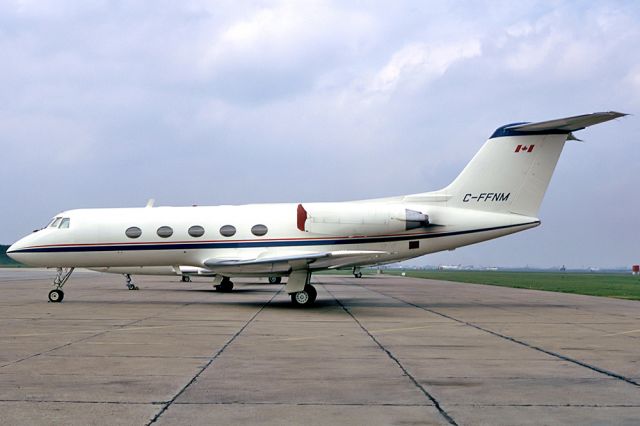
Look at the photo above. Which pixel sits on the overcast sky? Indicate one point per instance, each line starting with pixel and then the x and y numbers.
pixel 107 104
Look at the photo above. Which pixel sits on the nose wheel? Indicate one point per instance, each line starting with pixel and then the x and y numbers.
pixel 56 296
pixel 130 284
pixel 62 275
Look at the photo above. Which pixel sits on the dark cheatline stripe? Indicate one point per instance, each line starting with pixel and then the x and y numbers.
pixel 258 243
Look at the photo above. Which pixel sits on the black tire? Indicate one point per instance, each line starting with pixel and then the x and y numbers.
pixel 56 296
pixel 225 287
pixel 358 275
pixel 312 292
pixel 186 279
pixel 275 280
pixel 305 297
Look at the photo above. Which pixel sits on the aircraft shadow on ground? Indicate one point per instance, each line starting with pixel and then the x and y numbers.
pixel 282 301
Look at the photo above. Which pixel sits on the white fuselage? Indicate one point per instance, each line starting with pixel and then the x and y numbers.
pixel 95 238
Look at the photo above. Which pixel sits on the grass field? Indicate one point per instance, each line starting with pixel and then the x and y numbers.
pixel 622 286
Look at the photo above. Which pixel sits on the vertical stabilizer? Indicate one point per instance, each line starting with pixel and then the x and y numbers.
pixel 512 170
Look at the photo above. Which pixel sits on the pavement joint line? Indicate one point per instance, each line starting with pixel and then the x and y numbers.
pixel 417 384
pixel 215 356
pixel 313 404
pixel 610 299
pixel 126 356
pixel 550 405
pixel 88 337
pixel 380 331
pixel 62 401
pixel 514 340
pixel 622 332
pixel 125 328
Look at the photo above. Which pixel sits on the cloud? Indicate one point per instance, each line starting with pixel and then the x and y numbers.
pixel 279 49
pixel 214 102
pixel 564 49
pixel 418 63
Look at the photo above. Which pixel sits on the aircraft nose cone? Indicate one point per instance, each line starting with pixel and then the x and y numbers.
pixel 14 251
pixel 12 248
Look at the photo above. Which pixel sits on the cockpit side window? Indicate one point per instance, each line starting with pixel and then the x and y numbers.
pixel 56 221
pixel 65 223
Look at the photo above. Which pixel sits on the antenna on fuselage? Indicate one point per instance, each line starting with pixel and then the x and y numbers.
pixel 150 203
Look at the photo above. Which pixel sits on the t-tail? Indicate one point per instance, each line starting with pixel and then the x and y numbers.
pixel 512 170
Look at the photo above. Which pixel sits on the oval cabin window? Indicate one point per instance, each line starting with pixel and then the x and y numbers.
pixel 196 231
pixel 259 230
pixel 164 232
pixel 133 232
pixel 228 230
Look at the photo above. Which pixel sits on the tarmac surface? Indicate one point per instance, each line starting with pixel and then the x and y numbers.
pixel 373 351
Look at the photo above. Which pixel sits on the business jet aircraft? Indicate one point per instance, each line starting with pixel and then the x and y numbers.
pixel 498 193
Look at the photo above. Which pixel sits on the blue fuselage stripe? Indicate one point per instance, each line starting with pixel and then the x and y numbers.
pixel 257 243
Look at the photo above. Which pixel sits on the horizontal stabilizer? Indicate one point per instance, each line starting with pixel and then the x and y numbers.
pixel 568 124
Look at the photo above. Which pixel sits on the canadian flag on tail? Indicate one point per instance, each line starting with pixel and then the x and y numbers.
pixel 524 148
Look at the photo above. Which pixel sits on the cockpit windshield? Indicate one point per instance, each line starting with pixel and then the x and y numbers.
pixel 59 222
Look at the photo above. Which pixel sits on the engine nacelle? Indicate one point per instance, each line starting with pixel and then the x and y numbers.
pixel 359 219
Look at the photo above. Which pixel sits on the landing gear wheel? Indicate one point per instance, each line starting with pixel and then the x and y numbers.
pixel 62 275
pixel 225 286
pixel 186 279
pixel 357 272
pixel 275 280
pixel 305 297
pixel 130 284
pixel 56 296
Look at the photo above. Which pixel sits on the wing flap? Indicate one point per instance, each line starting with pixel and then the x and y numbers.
pixel 284 263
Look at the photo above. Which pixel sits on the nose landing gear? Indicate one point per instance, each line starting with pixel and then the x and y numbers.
pixel 357 272
pixel 62 275
pixel 130 284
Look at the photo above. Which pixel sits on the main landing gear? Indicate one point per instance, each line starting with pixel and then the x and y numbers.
pixel 56 295
pixel 357 272
pixel 275 280
pixel 305 297
pixel 186 279
pixel 223 284
pixel 130 284
pixel 299 288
